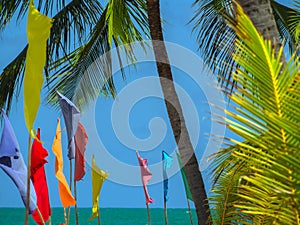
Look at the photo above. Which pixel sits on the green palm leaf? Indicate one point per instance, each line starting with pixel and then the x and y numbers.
pixel 69 25
pixel 257 180
pixel 117 26
pixel 216 39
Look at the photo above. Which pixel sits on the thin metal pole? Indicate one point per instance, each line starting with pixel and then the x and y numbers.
pixel 98 210
pixel 69 208
pixel 28 180
pixel 190 212
pixel 148 212
pixel 76 209
pixel 166 212
pixel 40 215
pixel 65 216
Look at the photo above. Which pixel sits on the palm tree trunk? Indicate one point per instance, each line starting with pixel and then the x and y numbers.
pixel 176 118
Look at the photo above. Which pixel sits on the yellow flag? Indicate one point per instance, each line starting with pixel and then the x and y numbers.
pixel 63 187
pixel 38 31
pixel 98 177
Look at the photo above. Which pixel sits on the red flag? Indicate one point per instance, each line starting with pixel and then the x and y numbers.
pixel 81 140
pixel 38 177
pixel 146 176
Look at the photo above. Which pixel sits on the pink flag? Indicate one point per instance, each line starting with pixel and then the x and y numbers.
pixel 146 176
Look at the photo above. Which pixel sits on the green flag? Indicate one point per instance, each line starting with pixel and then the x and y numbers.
pixel 186 184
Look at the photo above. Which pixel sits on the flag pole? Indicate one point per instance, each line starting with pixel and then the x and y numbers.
pixel 28 180
pixel 49 220
pixel 190 212
pixel 148 212
pixel 76 209
pixel 98 215
pixel 65 216
pixel 165 212
pixel 69 208
pixel 40 215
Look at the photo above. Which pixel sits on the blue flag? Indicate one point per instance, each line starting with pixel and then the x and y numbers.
pixel 12 163
pixel 71 117
pixel 167 162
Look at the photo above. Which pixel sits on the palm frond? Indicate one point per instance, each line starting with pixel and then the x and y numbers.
pixel 9 8
pixel 74 75
pixel 257 180
pixel 11 80
pixel 216 39
pixel 86 73
pixel 70 25
pixel 294 22
pixel 283 16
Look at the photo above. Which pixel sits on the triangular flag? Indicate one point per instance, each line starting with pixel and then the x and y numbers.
pixel 167 162
pixel 38 177
pixel 13 164
pixel 64 190
pixel 146 176
pixel 81 140
pixel 98 177
pixel 186 184
pixel 71 117
pixel 38 31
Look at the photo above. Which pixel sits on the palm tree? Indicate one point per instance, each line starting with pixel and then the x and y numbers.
pixel 176 117
pixel 81 30
pixel 109 26
pixel 216 38
pixel 256 180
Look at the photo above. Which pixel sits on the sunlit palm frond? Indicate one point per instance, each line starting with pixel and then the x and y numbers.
pixel 121 17
pixel 86 73
pixel 283 16
pixel 216 39
pixel 257 181
pixel 294 22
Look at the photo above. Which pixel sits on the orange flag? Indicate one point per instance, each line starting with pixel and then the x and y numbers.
pixel 65 194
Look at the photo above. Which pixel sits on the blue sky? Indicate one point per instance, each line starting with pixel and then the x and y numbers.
pixel 176 14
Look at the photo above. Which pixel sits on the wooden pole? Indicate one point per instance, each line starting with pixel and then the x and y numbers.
pixel 148 212
pixel 40 215
pixel 69 208
pixel 49 220
pixel 98 210
pixel 28 180
pixel 65 216
pixel 166 212
pixel 76 209
pixel 190 212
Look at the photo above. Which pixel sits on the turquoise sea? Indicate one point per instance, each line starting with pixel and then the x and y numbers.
pixel 109 216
